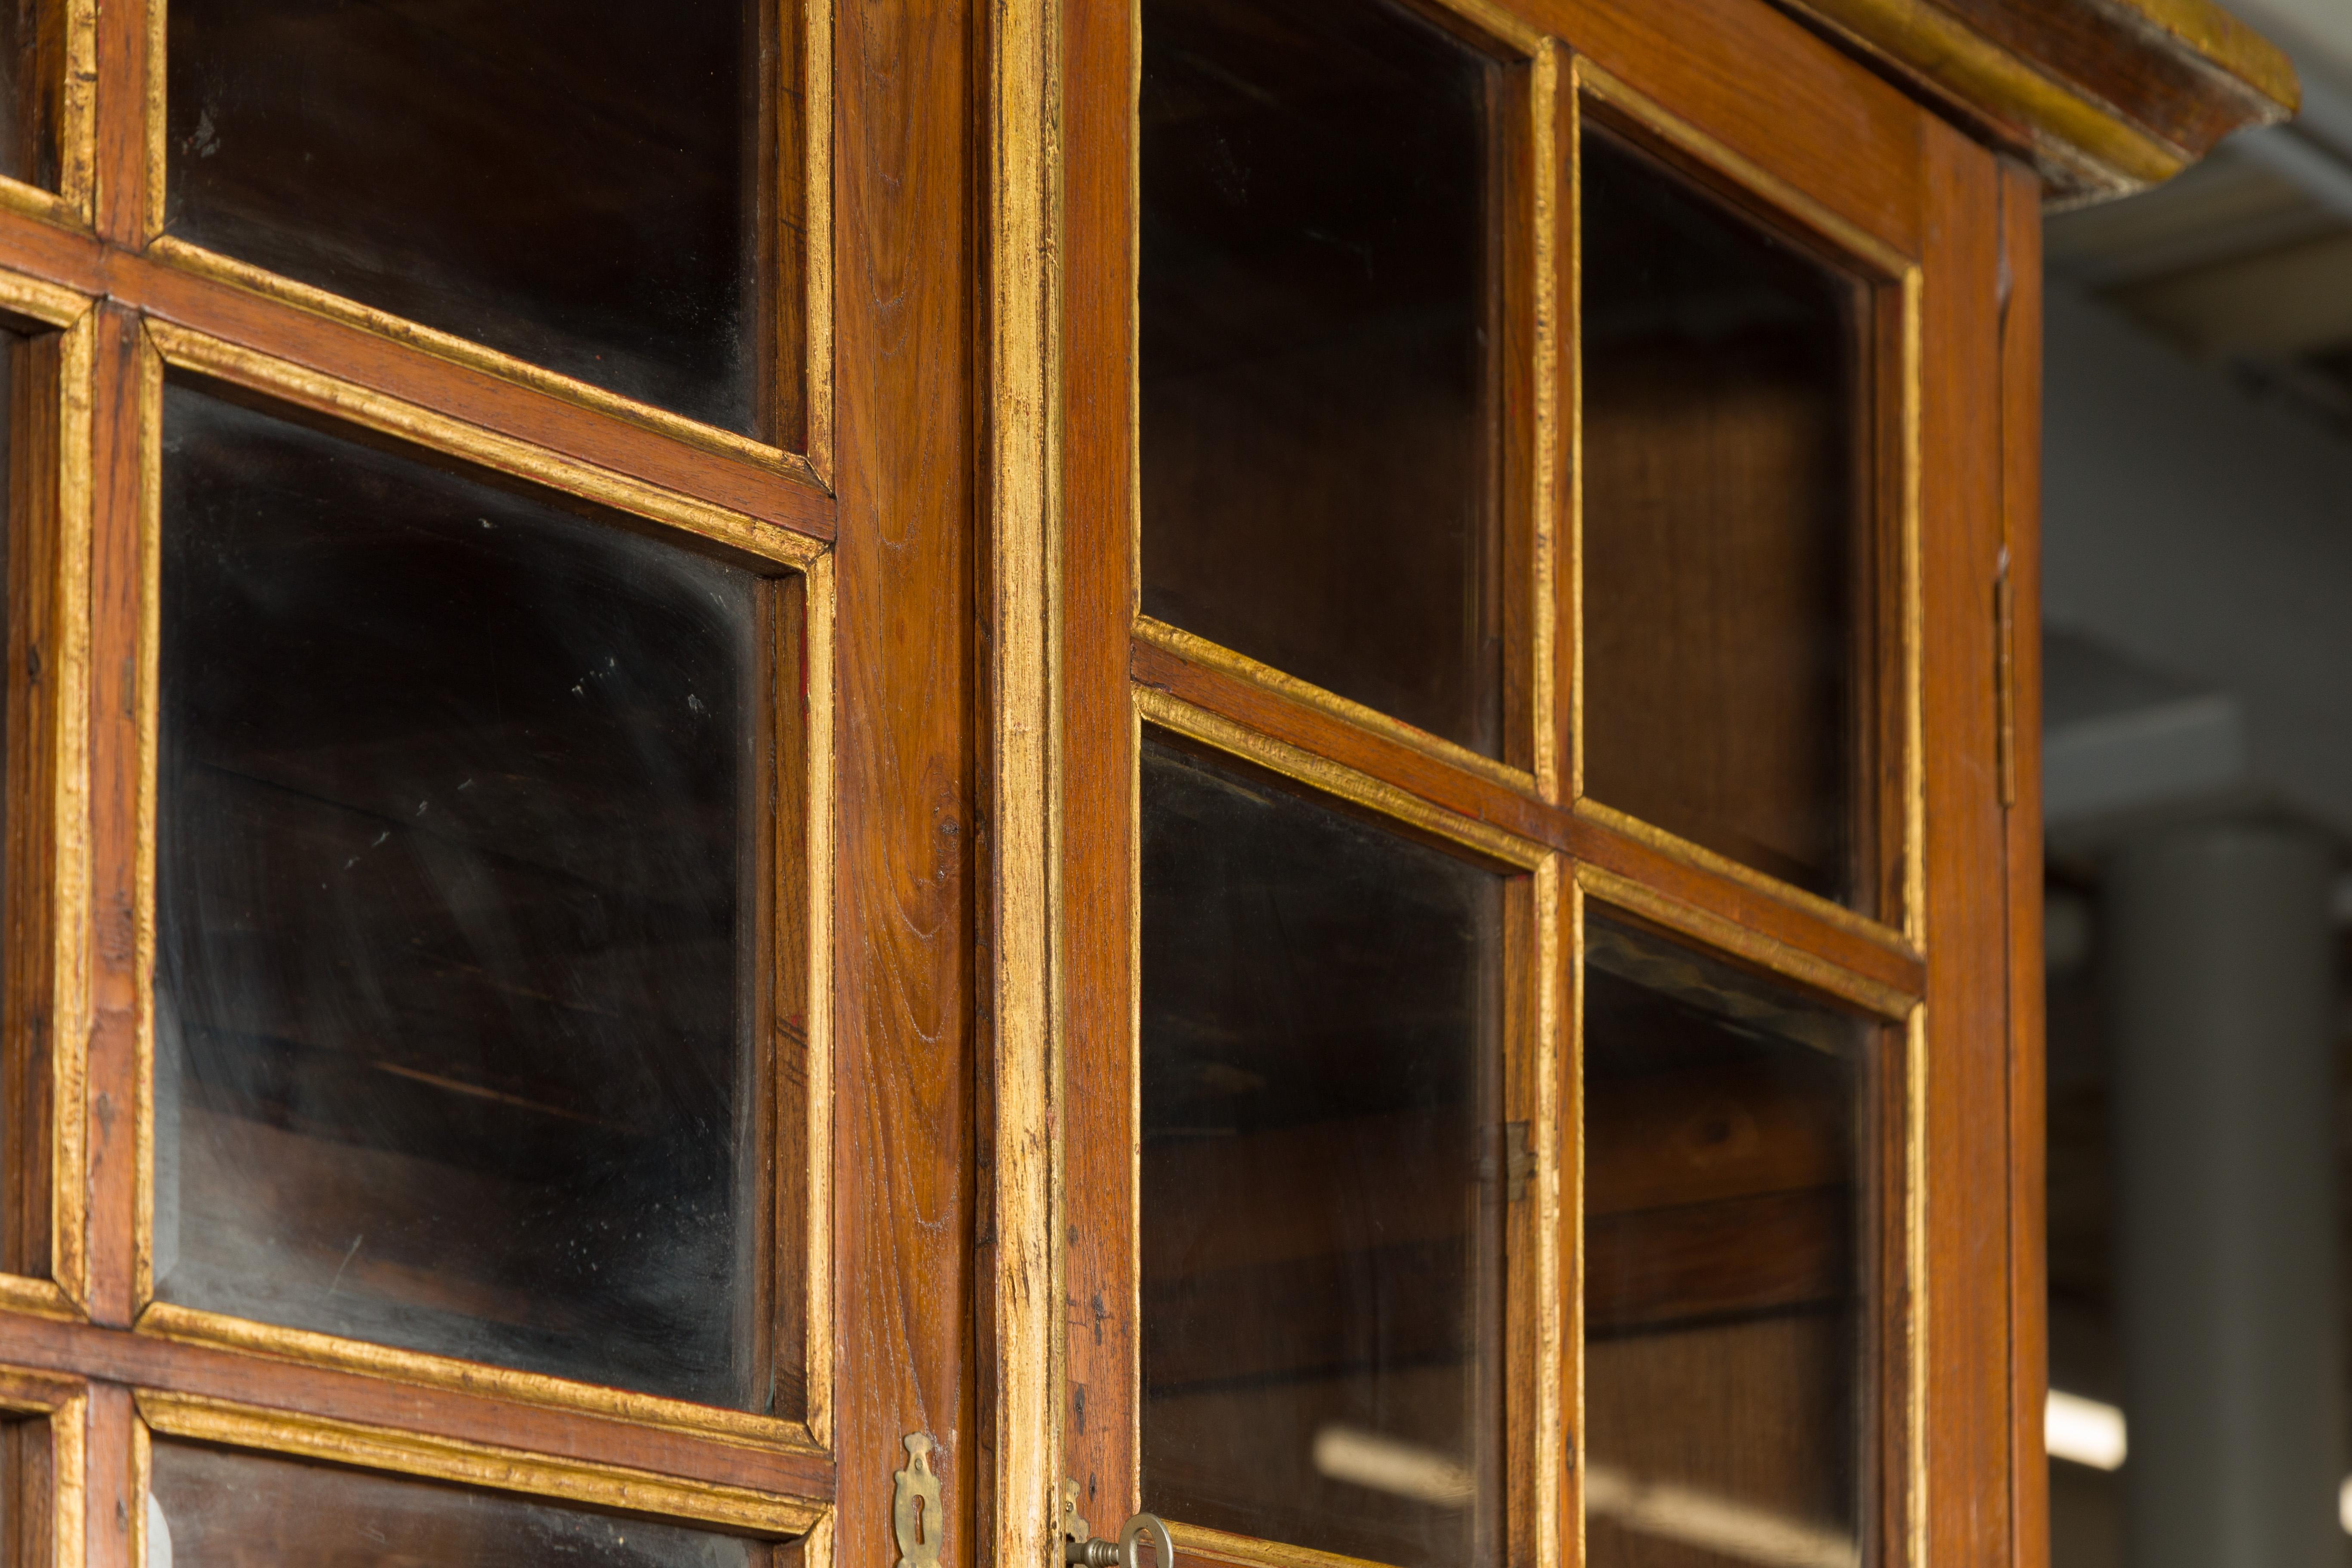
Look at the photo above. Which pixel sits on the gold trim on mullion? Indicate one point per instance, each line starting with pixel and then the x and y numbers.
pixel 64 815
pixel 817 1068
pixel 1546 1272
pixel 1706 929
pixel 1020 1357
pixel 1173 714
pixel 64 1403
pixel 1206 655
pixel 73 203
pixel 1550 70
pixel 1699 856
pixel 474 355
pixel 186 349
pixel 200 1419
pixel 813 361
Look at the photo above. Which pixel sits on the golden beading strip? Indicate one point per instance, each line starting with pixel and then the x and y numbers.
pixel 1214 730
pixel 187 1325
pixel 205 1420
pixel 211 264
pixel 1767 953
pixel 186 349
pixel 1207 654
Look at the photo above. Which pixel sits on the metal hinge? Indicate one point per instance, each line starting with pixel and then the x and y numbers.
pixel 1504 1155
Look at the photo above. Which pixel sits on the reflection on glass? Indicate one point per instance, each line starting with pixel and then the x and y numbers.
pixel 1317 382
pixel 27 1491
pixel 577 183
pixel 1321 1023
pixel 455 981
pixel 32 76
pixel 207 1507
pixel 1724 1263
pixel 1724 553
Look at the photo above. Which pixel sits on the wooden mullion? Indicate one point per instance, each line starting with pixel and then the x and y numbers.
pixel 114 1357
pixel 1744 900
pixel 1099 779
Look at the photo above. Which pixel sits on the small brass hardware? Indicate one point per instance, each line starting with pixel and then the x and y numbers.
pixel 914 1506
pixel 1504 1155
pixel 1082 1552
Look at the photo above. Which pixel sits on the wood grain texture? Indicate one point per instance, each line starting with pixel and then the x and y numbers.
pixel 2021 440
pixel 904 1110
pixel 1099 779
pixel 119 988
pixel 1966 1381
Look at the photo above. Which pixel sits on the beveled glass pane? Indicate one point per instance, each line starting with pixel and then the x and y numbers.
pixel 1724 1253
pixel 1320 1257
pixel 456 968
pixel 211 1508
pixel 1318 427
pixel 1725 546
pixel 583 183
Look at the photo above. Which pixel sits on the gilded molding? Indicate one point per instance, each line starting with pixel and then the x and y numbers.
pixel 1200 651
pixel 205 1420
pixel 2083 144
pixel 1173 714
pixel 184 348
pixel 1023 1353
pixel 64 1403
pixel 1767 953
pixel 165 1319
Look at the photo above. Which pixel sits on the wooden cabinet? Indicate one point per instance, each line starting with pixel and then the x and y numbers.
pixel 807 784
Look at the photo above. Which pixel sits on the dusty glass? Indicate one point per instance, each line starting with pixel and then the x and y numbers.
pixel 212 1508
pixel 457 964
pixel 1317 372
pixel 587 184
pixel 1321 1011
pixel 32 83
pixel 1725 1262
pixel 1727 555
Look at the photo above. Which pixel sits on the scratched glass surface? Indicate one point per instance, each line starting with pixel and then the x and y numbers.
pixel 1321 1206
pixel 212 1508
pixel 1318 385
pixel 577 183
pixel 1725 549
pixel 452 916
pixel 1725 1262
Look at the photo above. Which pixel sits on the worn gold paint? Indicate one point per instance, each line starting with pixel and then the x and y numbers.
pixel 465 352
pixel 816 1072
pixel 1546 103
pixel 1767 953
pixel 2079 136
pixel 1552 1188
pixel 163 1319
pixel 1362 789
pixel 1201 651
pixel 1023 1350
pixel 816 138
pixel 187 349
pixel 205 1420
pixel 1699 857
pixel 68 805
pixel 149 373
